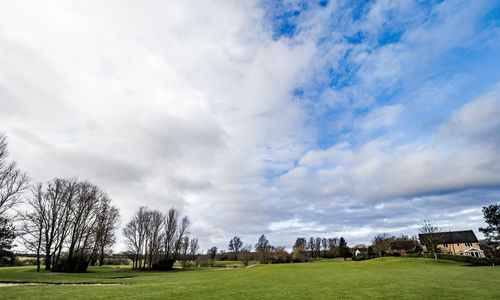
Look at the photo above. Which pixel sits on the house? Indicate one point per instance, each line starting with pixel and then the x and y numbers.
pixel 453 242
pixel 404 247
pixel 357 251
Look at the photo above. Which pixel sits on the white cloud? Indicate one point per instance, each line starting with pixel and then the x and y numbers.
pixel 190 104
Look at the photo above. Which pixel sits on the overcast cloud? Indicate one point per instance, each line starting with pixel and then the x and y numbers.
pixel 284 118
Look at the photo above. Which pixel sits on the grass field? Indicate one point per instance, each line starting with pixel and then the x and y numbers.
pixel 378 278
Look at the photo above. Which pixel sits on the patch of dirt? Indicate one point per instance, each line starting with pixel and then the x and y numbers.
pixel 5 284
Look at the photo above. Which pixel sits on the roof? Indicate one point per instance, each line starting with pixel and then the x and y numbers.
pixel 450 237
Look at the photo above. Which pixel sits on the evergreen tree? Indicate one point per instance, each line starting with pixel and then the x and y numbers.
pixel 492 218
pixel 343 249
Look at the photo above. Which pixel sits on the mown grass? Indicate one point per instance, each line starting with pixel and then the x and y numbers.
pixel 379 278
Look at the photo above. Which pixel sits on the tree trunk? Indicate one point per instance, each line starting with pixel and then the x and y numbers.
pixel 38 260
pixel 47 259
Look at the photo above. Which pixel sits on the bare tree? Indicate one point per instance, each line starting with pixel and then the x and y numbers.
pixel 33 225
pixel 317 247
pixel 193 249
pixel 333 246
pixel 263 249
pixel 175 230
pixel 70 221
pixel 156 224
pixel 310 247
pixel 135 235
pixel 212 253
pixel 300 241
pixel 184 257
pixel 280 255
pixel 430 237
pixel 324 244
pixel 235 245
pixel 299 254
pixel 107 223
pixel 12 180
pixel 245 254
pixel 381 243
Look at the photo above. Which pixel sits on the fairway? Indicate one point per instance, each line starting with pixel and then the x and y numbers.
pixel 378 278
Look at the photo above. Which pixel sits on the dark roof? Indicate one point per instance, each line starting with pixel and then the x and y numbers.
pixel 450 237
pixel 403 244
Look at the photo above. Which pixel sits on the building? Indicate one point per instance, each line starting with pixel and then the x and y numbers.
pixel 453 242
pixel 403 247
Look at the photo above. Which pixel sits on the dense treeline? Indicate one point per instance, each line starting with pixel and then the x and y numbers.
pixel 156 240
pixel 70 222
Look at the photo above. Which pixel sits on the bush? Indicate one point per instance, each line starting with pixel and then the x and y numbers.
pixel 77 264
pixel 363 257
pixel 116 261
pixel 478 261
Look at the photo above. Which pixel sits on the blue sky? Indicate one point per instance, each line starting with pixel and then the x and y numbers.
pixel 288 118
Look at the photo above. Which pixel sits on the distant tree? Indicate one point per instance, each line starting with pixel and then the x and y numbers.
pixel 333 244
pixel 245 254
pixel 212 253
pixel 280 255
pixel 324 244
pixel 343 249
pixel 33 226
pixel 381 243
pixel 263 249
pixel 105 227
pixel 300 242
pixel 492 218
pixel 405 243
pixel 311 246
pixel 317 247
pixel 184 257
pixel 235 245
pixel 193 249
pixel 299 254
pixel 430 237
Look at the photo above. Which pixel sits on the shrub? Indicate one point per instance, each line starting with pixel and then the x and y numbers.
pixel 478 261
pixel 116 261
pixel 363 257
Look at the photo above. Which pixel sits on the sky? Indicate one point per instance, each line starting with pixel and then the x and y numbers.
pixel 284 118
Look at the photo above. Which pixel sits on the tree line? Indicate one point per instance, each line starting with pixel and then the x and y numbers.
pixel 303 250
pixel 71 223
pixel 156 240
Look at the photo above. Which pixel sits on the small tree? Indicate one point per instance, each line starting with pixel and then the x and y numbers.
pixel 235 245
pixel 299 254
pixel 193 249
pixel 212 253
pixel 263 249
pixel 245 254
pixel 280 255
pixel 429 236
pixel 381 243
pixel 492 218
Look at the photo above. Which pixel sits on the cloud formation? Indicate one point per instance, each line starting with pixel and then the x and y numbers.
pixel 288 119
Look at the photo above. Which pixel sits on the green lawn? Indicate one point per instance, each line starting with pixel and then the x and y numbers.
pixel 378 278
